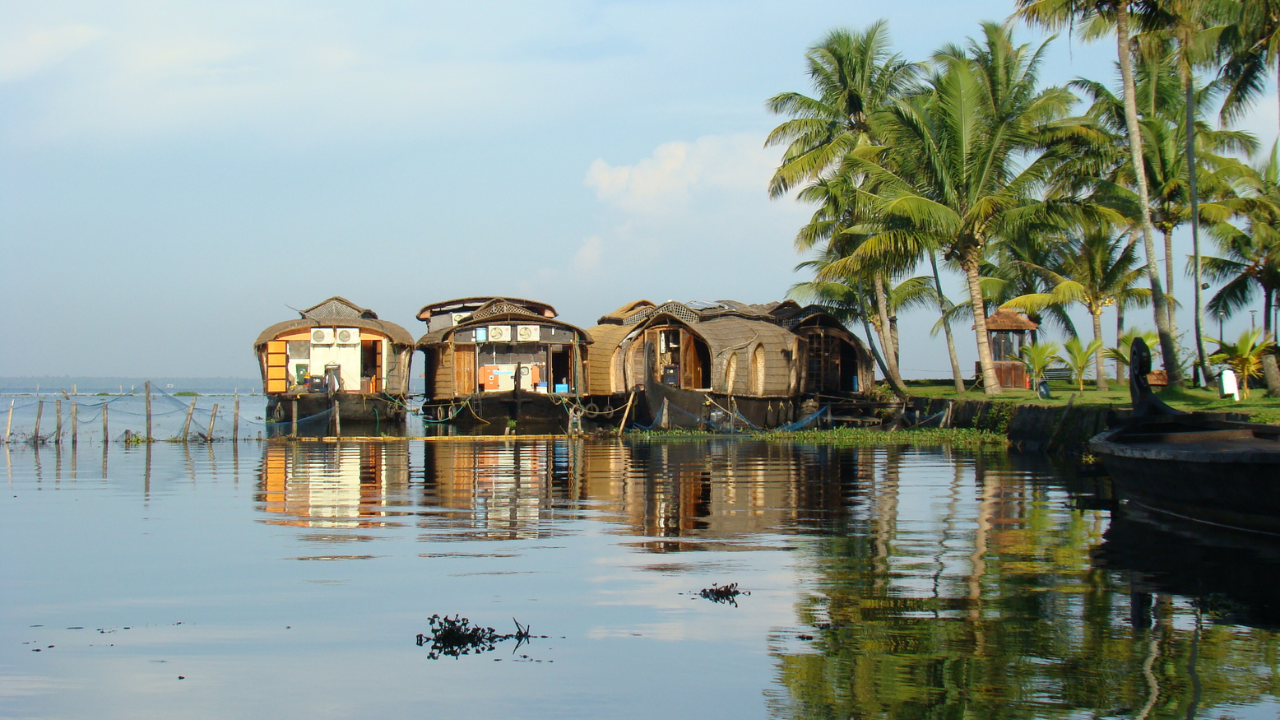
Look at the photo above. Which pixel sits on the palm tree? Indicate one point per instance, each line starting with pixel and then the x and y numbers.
pixel 1097 270
pixel 835 227
pixel 1038 357
pixel 954 170
pixel 853 74
pixel 1078 358
pixel 1057 14
pixel 1251 43
pixel 1244 356
pixel 1250 258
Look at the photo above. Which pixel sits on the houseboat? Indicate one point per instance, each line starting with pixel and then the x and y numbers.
pixel 336 359
pixel 499 362
pixel 698 364
pixel 724 364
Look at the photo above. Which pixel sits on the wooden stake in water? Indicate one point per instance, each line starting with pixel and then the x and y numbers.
pixel 106 436
pixel 57 426
pixel 337 420
pixel 235 420
pixel 186 426
pixel 148 411
pixel 74 426
pixel 295 419
pixel 8 426
pixel 212 419
pixel 35 435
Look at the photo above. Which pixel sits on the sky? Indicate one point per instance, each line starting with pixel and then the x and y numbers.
pixel 175 176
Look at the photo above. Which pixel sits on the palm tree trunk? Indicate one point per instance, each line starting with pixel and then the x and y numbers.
pixel 990 381
pixel 1270 370
pixel 1167 353
pixel 886 337
pixel 1119 332
pixel 875 350
pixel 1099 368
pixel 1170 306
pixel 943 304
pixel 1195 228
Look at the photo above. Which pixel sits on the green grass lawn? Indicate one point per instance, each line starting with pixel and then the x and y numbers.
pixel 1260 408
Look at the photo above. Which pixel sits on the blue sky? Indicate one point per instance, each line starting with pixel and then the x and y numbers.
pixel 174 175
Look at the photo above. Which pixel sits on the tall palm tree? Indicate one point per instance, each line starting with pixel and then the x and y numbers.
pixel 835 227
pixel 959 163
pixel 1250 259
pixel 853 74
pixel 1116 14
pixel 1195 27
pixel 1251 43
pixel 1098 270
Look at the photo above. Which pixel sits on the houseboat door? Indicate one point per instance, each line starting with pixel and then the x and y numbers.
pixel 464 369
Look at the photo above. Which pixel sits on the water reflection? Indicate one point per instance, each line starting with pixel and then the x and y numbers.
pixel 885 582
pixel 349 485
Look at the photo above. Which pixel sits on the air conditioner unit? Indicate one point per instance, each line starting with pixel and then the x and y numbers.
pixel 322 336
pixel 528 333
pixel 347 336
pixel 499 333
pixel 459 318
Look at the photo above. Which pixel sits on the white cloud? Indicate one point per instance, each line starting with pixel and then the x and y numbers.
pixel 663 183
pixel 38 50
pixel 588 256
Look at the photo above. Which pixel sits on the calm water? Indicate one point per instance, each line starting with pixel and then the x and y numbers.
pixel 291 580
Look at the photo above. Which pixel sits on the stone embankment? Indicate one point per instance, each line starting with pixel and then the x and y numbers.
pixel 1052 429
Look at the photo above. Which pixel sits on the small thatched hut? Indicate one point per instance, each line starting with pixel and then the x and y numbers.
pixel 336 354
pixel 1006 334
pixel 504 358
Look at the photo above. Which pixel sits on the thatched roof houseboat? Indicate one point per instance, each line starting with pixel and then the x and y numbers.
pixel 699 363
pixel 723 362
pixel 500 359
pixel 336 355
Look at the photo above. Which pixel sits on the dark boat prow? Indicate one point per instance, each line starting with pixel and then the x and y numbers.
pixel 1145 402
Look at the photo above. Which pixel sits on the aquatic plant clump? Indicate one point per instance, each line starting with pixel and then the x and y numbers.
pixel 728 594
pixel 456 636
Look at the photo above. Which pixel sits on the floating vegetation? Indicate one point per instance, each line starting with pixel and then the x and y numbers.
pixel 963 438
pixel 456 636
pixel 723 593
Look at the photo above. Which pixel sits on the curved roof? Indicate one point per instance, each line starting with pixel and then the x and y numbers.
pixel 440 336
pixel 393 331
pixel 617 317
pixel 473 304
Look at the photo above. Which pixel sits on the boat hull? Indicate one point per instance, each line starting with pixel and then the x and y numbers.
pixel 1221 475
pixel 696 410
pixel 522 412
pixel 376 414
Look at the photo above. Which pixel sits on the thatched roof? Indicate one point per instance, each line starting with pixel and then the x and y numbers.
pixel 394 332
pixel 338 307
pixel 617 317
pixel 475 304
pixel 1009 320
